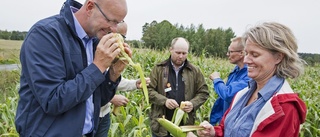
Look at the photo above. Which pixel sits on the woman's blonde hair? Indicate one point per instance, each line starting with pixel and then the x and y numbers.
pixel 278 38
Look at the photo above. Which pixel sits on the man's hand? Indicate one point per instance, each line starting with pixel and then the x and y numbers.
pixel 106 53
pixel 214 75
pixel 188 107
pixel 119 100
pixel 107 50
pixel 171 104
pixel 119 65
pixel 138 82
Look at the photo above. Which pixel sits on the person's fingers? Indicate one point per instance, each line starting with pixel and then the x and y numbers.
pixel 175 104
pixel 105 38
pixel 138 81
pixel 147 80
pixel 127 49
pixel 126 100
pixel 170 103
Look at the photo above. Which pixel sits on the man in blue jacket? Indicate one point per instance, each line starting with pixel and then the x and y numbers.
pixel 64 80
pixel 237 80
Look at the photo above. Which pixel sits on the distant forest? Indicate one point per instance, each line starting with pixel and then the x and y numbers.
pixel 208 42
pixel 12 35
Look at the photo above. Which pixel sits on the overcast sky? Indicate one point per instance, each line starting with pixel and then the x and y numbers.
pixel 302 16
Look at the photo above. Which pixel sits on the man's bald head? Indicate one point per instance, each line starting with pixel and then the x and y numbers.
pixel 180 43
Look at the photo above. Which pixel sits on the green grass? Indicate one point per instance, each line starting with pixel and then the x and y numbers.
pixel 9 51
pixel 10 44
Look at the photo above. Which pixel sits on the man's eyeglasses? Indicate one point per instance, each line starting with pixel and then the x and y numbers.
pixel 123 36
pixel 230 51
pixel 112 22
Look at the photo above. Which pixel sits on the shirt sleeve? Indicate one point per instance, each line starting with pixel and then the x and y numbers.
pixel 127 84
pixel 227 92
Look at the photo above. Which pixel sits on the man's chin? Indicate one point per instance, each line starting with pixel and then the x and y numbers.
pixel 179 63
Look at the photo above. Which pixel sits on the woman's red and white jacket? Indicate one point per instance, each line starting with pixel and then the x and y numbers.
pixel 281 116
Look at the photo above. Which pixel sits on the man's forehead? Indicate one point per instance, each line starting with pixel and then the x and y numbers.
pixel 180 48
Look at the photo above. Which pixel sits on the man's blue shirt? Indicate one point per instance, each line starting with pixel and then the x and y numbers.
pixel 237 80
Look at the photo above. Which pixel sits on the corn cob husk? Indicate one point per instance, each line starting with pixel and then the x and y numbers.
pixel 175 130
pixel 124 56
pixel 178 116
pixel 191 128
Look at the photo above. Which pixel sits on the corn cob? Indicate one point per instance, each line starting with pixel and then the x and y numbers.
pixel 183 104
pixel 191 128
pixel 179 114
pixel 175 130
pixel 124 56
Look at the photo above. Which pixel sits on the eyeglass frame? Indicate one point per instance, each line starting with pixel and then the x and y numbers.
pixel 230 51
pixel 123 36
pixel 113 22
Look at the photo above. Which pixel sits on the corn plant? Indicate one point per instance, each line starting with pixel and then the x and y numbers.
pixel 134 121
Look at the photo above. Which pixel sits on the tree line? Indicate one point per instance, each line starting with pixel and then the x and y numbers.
pixel 158 35
pixel 210 42
pixel 12 35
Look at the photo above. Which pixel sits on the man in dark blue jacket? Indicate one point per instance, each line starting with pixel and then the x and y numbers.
pixel 237 80
pixel 64 80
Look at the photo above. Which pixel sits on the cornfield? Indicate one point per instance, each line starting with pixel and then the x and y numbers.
pixel 134 120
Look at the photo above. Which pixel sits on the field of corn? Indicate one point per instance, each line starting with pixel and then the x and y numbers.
pixel 134 120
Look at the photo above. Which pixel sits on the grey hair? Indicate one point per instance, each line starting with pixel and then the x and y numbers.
pixel 278 38
pixel 240 44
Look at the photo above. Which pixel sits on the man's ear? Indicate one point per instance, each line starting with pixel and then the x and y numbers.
pixel 170 49
pixel 89 6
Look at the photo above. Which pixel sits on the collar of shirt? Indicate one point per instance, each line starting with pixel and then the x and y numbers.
pixel 272 86
pixel 86 40
pixel 237 68
pixel 80 31
pixel 179 68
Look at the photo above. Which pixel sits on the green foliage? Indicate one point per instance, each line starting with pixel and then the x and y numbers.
pixel 214 41
pixel 7 61
pixel 8 82
pixel 12 35
pixel 158 35
pixel 7 113
pixel 5 34
pixel 311 59
pixel 8 56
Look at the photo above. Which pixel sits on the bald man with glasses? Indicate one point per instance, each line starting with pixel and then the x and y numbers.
pixel 64 77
